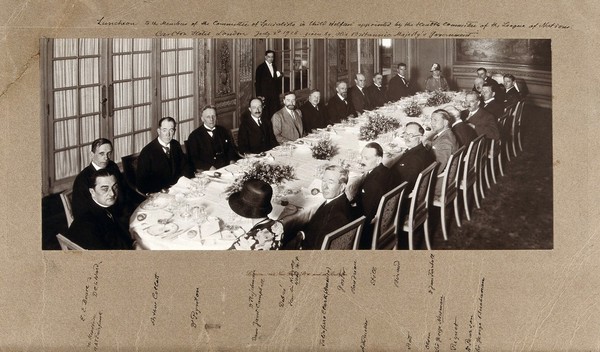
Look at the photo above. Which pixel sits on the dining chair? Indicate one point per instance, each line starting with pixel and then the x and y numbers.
pixel 346 237
pixel 481 164
pixel 490 167
pixel 469 175
pixel 418 214
pixel 66 198
pixel 129 169
pixel 516 128
pixel 450 183
pixel 385 232
pixel 66 244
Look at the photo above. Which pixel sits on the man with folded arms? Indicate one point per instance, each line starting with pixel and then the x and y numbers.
pixel 375 92
pixel 331 215
pixel 358 96
pixel 161 162
pixel 210 145
pixel 97 228
pixel 287 122
pixel 338 107
pixel 314 114
pixel 255 134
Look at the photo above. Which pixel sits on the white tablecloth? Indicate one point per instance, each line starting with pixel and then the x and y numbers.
pixel 186 218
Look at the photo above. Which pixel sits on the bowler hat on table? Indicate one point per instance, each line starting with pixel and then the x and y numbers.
pixel 253 201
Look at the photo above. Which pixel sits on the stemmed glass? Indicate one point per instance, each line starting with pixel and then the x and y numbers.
pixel 202 182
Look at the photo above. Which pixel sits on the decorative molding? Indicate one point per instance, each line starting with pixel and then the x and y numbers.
pixel 246 62
pixel 224 67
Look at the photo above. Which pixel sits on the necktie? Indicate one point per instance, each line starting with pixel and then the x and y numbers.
pixel 317 107
pixel 110 216
pixel 259 123
pixel 167 151
pixel 345 102
pixel 293 115
pixel 210 132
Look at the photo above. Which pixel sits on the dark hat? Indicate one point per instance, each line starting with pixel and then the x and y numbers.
pixel 253 201
pixel 436 67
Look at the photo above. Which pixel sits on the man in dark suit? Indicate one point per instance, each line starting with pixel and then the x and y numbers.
pixel 376 182
pixel 490 104
pixel 398 87
pixel 463 132
pixel 358 96
pixel 211 146
pixel 101 159
pixel 161 162
pixel 255 134
pixel 332 214
pixel 287 122
pixel 497 87
pixel 415 159
pixel 97 228
pixel 338 107
pixel 511 94
pixel 268 84
pixel 376 92
pixel 314 114
pixel 483 122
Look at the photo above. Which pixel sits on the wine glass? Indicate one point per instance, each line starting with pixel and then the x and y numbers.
pixel 202 182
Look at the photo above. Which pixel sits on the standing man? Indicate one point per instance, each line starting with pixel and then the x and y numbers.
pixel 511 94
pixel 161 162
pixel 339 108
pixel 268 84
pixel 314 114
pixel 102 150
pixel 377 181
pixel 398 85
pixel 255 134
pixel 358 96
pixel 375 92
pixel 211 146
pixel 98 228
pixel 287 122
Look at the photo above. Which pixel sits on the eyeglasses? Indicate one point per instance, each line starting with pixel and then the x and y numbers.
pixel 411 135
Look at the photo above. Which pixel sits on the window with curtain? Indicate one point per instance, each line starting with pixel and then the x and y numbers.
pixel 116 89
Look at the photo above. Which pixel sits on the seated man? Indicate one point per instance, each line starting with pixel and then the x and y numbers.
pixel 443 142
pixel 338 107
pixel 378 180
pixel 477 85
pixel 332 214
pixel 463 132
pixel 314 114
pixel 101 159
pixel 498 88
pixel 255 134
pixel 483 122
pixel 490 104
pixel 161 162
pixel 287 122
pixel 511 95
pixel 358 96
pixel 98 227
pixel 375 92
pixel 211 146
pixel 398 87
pixel 415 159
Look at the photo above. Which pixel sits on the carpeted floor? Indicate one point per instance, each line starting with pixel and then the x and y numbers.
pixel 517 211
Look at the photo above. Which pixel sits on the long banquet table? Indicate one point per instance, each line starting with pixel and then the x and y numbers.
pixel 195 214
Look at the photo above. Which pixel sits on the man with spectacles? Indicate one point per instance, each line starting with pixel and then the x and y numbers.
pixel 161 162
pixel 268 84
pixel 415 159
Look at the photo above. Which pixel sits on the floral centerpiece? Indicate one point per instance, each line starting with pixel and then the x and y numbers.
pixel 267 172
pixel 438 98
pixel 324 149
pixel 377 125
pixel 413 109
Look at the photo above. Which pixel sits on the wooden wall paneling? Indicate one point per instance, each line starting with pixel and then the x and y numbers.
pixel 225 85
pixel 352 45
pixel 367 59
pixel 332 68
pixel 428 52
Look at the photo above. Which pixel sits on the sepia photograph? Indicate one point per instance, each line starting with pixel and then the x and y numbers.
pixel 296 144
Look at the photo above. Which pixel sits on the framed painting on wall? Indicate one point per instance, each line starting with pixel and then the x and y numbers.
pixel 522 52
